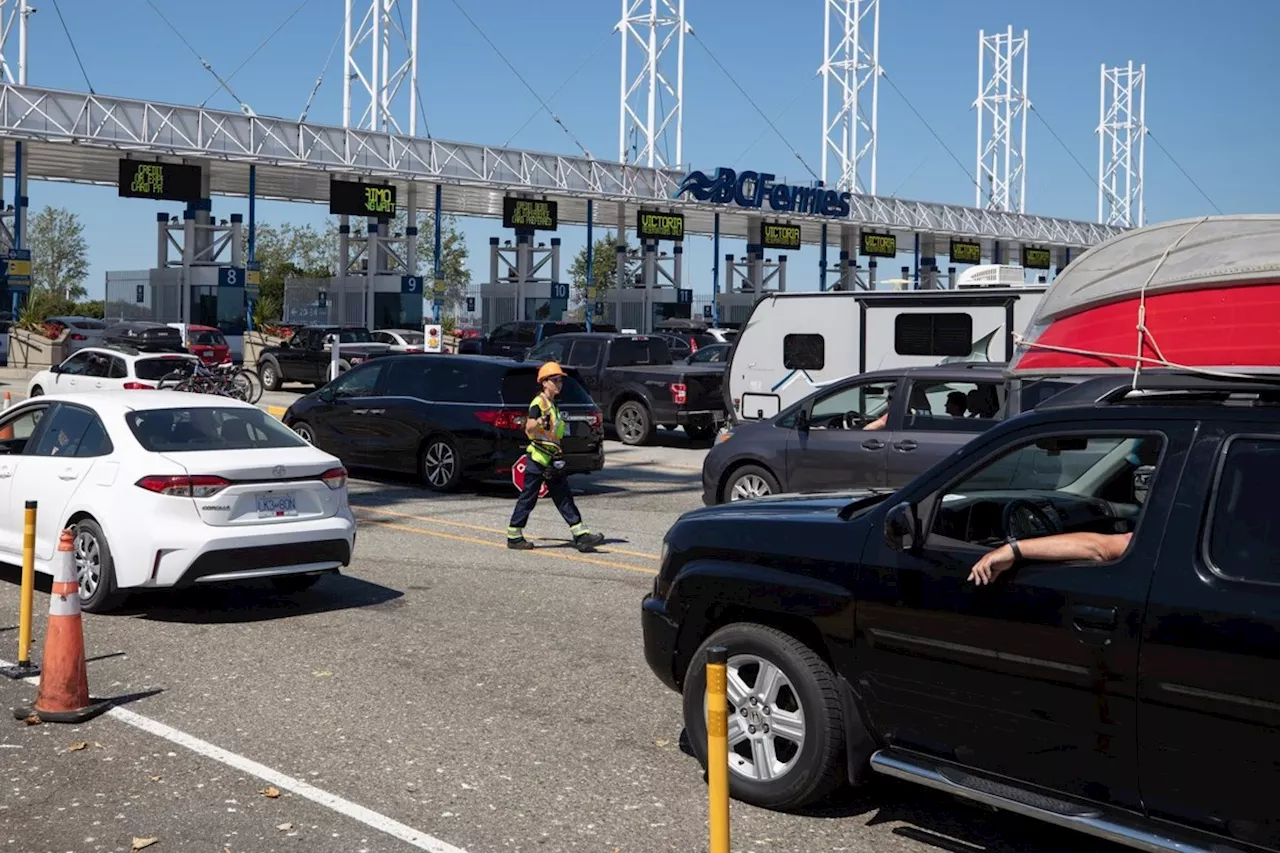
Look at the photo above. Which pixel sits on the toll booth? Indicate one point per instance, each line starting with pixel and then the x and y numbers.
pixel 524 281
pixel 747 279
pixel 649 289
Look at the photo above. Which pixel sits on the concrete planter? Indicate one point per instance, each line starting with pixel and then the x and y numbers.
pixel 29 349
pixel 255 343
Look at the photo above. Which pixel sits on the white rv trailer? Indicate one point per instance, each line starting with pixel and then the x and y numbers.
pixel 793 343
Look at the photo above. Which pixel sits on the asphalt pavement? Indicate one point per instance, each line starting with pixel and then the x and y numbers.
pixel 443 694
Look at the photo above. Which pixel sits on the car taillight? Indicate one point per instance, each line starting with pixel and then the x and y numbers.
pixel 679 393
pixel 503 419
pixel 335 478
pixel 79 337
pixel 183 486
pixel 139 386
pixel 597 420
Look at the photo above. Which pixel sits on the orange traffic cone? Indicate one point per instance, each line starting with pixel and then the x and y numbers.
pixel 8 401
pixel 64 678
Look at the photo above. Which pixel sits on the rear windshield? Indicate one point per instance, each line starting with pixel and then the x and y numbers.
pixel 355 336
pixel 158 332
pixel 209 338
pixel 157 368
pixel 519 387
pixel 412 338
pixel 83 323
pixel 561 328
pixel 196 429
pixel 629 351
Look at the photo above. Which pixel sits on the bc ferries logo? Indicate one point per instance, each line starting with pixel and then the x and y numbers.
pixel 752 189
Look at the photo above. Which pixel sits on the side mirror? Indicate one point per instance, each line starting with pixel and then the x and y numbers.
pixel 902 527
pixel 57 368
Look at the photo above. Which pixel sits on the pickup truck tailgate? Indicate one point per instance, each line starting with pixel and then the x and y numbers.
pixel 704 388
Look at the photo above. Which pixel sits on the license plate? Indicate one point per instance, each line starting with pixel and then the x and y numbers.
pixel 276 504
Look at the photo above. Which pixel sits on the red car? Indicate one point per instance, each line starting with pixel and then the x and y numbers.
pixel 208 343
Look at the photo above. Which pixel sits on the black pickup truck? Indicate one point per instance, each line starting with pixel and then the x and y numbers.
pixel 633 381
pixel 513 340
pixel 1133 695
pixel 305 356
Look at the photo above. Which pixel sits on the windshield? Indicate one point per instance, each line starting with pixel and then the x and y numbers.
pixel 198 429
pixel 355 336
pixel 412 338
pixel 208 338
pixel 520 386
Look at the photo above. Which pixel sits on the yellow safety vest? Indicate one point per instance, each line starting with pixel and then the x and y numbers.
pixel 543 451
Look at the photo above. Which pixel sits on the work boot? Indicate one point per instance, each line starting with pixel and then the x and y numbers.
pixel 519 543
pixel 587 541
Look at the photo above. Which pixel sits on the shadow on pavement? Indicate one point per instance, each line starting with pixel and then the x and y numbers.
pixel 254 601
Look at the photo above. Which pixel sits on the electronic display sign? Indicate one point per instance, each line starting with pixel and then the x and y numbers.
pixel 879 245
pixel 172 181
pixel 780 235
pixel 1036 259
pixel 534 213
pixel 655 225
pixel 964 252
pixel 355 198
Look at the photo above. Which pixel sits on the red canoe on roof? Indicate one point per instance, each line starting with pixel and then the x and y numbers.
pixel 1201 293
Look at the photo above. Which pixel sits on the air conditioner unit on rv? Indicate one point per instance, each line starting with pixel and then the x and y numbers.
pixel 992 275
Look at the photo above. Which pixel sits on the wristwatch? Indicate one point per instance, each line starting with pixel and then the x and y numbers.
pixel 1013 546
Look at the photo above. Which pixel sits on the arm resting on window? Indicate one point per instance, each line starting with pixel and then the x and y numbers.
pixel 1062 548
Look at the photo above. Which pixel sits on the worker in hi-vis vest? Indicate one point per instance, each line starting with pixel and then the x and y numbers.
pixel 545 428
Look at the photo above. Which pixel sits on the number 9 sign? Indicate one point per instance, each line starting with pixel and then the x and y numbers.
pixel 411 284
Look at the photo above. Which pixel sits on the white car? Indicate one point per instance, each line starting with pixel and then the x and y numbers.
pixel 401 340
pixel 107 369
pixel 170 489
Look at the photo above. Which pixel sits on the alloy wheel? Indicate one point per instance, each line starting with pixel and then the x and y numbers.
pixel 438 463
pixel 87 555
pixel 629 423
pixel 749 486
pixel 766 719
pixel 303 432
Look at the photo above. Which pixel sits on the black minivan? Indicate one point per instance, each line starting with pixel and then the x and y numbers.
pixel 442 417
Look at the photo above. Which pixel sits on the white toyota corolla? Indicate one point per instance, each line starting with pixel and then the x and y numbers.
pixel 170 489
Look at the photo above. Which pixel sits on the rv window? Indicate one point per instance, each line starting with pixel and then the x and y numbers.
pixel 803 352
pixel 933 334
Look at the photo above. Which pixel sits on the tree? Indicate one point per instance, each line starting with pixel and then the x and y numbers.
pixel 289 250
pixel 59 253
pixel 453 253
pixel 604 264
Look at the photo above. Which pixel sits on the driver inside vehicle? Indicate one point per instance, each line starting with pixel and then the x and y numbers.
pixel 1078 545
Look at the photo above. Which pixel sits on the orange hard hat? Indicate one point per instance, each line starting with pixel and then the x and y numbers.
pixel 549 370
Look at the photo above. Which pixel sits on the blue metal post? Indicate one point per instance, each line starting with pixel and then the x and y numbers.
pixel 435 298
pixel 253 204
pixel 17 195
pixel 589 308
pixel 822 260
pixel 715 273
pixel 916 284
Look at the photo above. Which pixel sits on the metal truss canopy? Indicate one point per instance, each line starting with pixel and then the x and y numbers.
pixel 80 138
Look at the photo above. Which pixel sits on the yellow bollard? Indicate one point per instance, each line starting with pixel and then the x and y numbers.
pixel 25 668
pixel 718 747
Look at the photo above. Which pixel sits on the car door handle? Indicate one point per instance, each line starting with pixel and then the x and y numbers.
pixel 873 444
pixel 906 445
pixel 68 474
pixel 359 411
pixel 6 471
pixel 1089 618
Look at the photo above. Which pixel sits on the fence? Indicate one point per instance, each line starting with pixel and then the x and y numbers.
pixel 154 295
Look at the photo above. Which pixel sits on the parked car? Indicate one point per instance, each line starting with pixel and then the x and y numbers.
pixel 114 368
pixel 307 355
pixel 444 418
pixel 209 344
pixel 710 354
pixel 144 336
pixel 170 490
pixel 513 340
pixel 1133 700
pixel 633 381
pixel 401 340
pixel 83 331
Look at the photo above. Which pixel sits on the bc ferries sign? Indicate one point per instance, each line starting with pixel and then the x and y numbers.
pixel 753 189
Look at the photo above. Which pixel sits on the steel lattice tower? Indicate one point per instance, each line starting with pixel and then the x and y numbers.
pixel 851 63
pixel 1002 104
pixel 1122 135
pixel 392 59
pixel 14 13
pixel 652 27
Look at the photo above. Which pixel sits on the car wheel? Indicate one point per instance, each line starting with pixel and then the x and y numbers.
pixel 633 424
pixel 786 727
pixel 440 465
pixel 290 584
pixel 36 391
pixel 304 432
pixel 700 432
pixel 94 567
pixel 270 374
pixel 750 481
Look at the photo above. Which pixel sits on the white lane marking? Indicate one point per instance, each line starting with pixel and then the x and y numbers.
pixel 368 817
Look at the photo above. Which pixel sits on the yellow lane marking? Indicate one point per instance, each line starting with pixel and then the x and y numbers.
pixel 477 527
pixel 545 552
pixel 276 411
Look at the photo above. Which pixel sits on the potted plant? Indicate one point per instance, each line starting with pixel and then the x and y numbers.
pixel 33 341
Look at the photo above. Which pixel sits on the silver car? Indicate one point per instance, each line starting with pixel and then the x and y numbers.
pixel 85 332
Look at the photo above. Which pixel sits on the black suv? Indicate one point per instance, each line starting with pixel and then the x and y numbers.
pixel 144 336
pixel 442 417
pixel 1137 700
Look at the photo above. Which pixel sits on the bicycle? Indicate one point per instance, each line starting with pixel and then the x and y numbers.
pixel 226 380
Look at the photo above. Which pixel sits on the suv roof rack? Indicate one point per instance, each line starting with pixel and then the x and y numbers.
pixel 118 347
pixel 1161 386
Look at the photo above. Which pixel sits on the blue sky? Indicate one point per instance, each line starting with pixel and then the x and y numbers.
pixel 1212 72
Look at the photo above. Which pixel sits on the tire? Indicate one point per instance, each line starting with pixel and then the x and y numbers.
pixel 247 385
pixel 36 391
pixel 304 431
pixel 292 584
pixel 440 465
pixel 94 566
pixel 270 373
pixel 700 432
pixel 633 423
pixel 747 482
pixel 171 381
pixel 808 695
